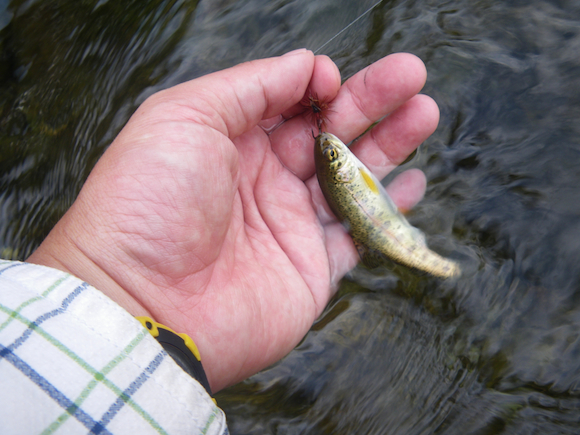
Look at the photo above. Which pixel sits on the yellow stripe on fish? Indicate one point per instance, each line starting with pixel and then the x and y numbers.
pixel 369 180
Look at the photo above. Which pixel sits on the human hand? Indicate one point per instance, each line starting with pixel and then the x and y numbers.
pixel 205 212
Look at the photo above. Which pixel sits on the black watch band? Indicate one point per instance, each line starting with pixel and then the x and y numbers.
pixel 180 347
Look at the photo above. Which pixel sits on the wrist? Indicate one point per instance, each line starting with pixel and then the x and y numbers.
pixel 60 252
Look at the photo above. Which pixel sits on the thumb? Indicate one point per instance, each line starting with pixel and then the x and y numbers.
pixel 234 100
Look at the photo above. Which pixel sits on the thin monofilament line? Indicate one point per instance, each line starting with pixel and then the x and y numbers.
pixel 343 30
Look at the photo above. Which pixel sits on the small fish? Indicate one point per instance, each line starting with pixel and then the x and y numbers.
pixel 376 226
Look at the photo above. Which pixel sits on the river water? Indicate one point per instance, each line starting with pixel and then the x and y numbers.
pixel 498 351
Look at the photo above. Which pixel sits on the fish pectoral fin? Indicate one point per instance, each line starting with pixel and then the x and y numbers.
pixel 369 257
pixel 368 179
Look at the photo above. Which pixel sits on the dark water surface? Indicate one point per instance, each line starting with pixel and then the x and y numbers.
pixel 394 353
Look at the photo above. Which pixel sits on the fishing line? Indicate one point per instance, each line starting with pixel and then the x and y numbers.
pixel 352 22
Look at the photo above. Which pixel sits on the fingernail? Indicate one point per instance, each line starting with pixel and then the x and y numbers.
pixel 293 52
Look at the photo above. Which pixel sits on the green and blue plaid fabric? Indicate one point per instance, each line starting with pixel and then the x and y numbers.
pixel 73 361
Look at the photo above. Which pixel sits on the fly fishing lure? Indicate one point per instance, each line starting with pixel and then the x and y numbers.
pixel 316 111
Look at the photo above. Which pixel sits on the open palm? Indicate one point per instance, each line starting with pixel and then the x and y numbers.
pixel 205 212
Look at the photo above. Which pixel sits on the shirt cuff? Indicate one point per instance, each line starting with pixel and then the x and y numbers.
pixel 73 360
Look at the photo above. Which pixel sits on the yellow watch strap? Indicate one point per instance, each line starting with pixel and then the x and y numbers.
pixel 180 347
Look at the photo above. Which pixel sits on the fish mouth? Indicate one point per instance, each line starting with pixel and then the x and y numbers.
pixel 319 142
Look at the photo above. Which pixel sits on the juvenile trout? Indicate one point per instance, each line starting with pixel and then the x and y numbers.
pixel 376 226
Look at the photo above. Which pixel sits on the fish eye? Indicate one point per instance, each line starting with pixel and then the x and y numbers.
pixel 331 154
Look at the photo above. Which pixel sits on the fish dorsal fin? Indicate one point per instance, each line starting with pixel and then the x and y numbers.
pixel 369 181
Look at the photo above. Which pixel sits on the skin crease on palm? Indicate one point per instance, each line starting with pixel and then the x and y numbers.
pixel 205 212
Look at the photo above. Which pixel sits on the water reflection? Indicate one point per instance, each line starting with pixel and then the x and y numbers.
pixel 419 369
pixel 496 352
pixel 70 76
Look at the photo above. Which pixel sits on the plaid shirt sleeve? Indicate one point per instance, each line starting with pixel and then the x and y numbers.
pixel 73 361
